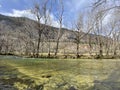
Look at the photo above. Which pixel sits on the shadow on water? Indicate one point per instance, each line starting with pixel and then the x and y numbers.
pixel 111 83
pixel 9 80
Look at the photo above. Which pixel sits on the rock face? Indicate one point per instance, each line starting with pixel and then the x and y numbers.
pixel 20 35
pixel 20 24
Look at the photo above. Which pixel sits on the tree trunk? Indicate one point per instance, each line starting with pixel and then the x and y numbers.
pixel 56 50
pixel 38 46
pixel 77 51
pixel 49 50
pixel 58 38
pixel 100 51
pixel 115 52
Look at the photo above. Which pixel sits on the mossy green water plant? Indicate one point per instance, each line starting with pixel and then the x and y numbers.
pixel 56 74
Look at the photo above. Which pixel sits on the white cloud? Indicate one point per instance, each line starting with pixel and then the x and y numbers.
pixel 28 14
pixel 52 21
pixel 106 19
pixel 76 5
pixel 20 13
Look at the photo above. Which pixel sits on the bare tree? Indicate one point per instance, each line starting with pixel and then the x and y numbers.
pixel 29 40
pixel 89 26
pixel 110 6
pixel 116 34
pixel 60 21
pixel 98 28
pixel 40 13
pixel 83 28
pixel 109 29
pixel 78 33
pixel 47 21
pixel 1 42
pixel 114 4
pixel 48 34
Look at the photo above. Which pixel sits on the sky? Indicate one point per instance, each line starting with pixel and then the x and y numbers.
pixel 21 8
